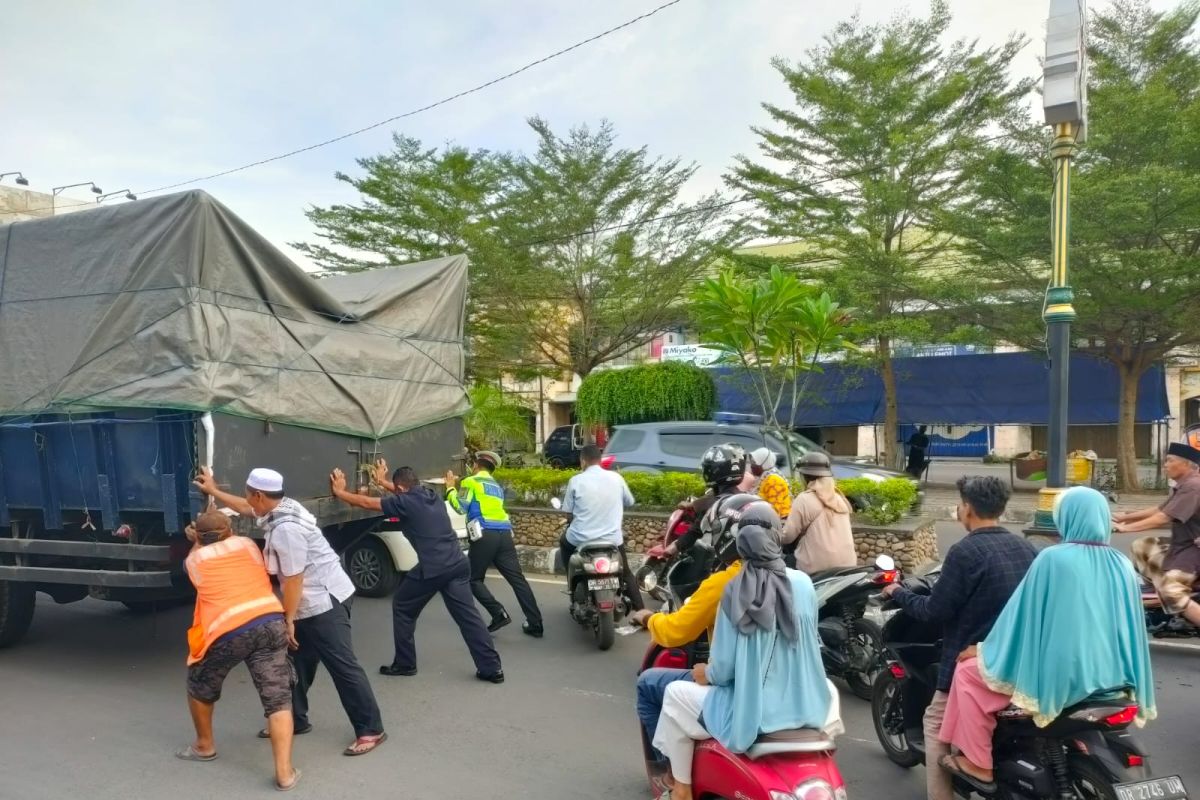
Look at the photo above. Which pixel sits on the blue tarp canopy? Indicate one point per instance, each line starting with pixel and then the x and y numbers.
pixel 980 389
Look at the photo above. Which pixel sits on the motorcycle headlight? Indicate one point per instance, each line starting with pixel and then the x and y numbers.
pixel 649 582
pixel 815 789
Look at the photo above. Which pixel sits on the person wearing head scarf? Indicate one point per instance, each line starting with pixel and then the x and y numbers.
pixel 764 673
pixel 818 533
pixel 1073 628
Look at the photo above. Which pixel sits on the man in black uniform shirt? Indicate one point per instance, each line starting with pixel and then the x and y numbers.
pixel 442 568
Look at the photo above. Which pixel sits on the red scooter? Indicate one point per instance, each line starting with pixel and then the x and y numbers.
pixel 787 765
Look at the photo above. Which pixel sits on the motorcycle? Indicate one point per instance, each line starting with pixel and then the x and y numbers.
pixel 659 558
pixel 1087 753
pixel 787 765
pixel 1161 624
pixel 595 575
pixel 851 647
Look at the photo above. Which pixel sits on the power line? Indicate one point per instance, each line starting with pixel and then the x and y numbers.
pixel 406 114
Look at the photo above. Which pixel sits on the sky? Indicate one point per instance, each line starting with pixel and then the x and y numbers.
pixel 140 94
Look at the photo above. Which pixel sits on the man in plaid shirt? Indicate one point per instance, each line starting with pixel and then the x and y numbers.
pixel 979 575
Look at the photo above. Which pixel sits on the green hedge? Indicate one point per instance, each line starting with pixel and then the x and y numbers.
pixel 883 502
pixel 646 393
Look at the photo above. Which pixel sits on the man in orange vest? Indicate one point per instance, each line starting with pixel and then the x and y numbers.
pixel 237 619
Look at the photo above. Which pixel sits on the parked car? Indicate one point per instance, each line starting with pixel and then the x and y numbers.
pixel 379 559
pixel 656 447
pixel 561 450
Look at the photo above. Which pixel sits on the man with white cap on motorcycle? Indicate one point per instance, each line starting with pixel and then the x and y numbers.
pixel 317 594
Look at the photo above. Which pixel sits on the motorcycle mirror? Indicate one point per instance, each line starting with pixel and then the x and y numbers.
pixel 556 503
pixel 885 562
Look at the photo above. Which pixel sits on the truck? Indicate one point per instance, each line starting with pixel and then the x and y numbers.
pixel 141 342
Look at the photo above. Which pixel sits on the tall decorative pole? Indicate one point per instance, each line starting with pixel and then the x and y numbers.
pixel 1064 101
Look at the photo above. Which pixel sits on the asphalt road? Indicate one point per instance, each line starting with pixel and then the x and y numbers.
pixel 92 706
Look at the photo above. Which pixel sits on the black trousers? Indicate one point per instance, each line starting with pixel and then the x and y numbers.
pixel 455 587
pixel 496 549
pixel 325 639
pixel 632 590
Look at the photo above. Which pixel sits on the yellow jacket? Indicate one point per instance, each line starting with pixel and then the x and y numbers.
pixel 698 614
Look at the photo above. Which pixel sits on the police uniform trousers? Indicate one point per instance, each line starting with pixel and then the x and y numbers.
pixel 496 549
pixel 454 585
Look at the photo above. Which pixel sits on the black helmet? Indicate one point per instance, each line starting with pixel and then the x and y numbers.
pixel 723 465
pixel 728 514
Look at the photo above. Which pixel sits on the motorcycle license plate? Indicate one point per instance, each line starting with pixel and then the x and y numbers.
pixel 603 583
pixel 1156 789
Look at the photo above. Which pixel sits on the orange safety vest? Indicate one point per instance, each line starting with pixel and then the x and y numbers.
pixel 232 588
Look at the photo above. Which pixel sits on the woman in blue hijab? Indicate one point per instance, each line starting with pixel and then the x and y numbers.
pixel 764 672
pixel 1074 627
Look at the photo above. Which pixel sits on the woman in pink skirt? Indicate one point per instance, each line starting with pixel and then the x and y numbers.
pixel 1074 627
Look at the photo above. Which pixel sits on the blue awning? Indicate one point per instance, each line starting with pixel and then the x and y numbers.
pixel 980 389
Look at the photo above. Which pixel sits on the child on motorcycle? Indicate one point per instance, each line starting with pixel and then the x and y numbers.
pixel 764 673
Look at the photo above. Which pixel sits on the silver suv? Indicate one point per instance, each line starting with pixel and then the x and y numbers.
pixel 657 447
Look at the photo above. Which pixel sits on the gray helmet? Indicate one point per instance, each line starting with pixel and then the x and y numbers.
pixel 815 465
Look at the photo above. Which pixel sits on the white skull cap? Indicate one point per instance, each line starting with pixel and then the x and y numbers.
pixel 265 480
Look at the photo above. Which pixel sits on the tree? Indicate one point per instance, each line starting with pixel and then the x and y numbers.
pixel 883 120
pixel 496 419
pixel 580 253
pixel 598 250
pixel 1135 220
pixel 777 327
pixel 646 393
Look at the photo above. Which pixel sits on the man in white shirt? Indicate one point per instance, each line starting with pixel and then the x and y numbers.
pixel 596 499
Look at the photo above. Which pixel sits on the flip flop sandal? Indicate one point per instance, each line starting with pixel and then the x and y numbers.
pixel 266 734
pixel 951 765
pixel 189 754
pixel 371 745
pixel 279 787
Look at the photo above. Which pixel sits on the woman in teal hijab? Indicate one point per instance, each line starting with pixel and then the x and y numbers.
pixel 1074 627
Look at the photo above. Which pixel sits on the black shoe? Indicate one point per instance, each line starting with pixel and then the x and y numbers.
pixel 393 670
pixel 499 622
pixel 495 677
pixel 533 630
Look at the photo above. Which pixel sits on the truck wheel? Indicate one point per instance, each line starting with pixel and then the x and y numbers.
pixel 16 611
pixel 371 568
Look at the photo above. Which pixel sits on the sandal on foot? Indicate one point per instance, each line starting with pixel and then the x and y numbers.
pixel 288 787
pixel 266 734
pixel 367 742
pixel 953 765
pixel 189 753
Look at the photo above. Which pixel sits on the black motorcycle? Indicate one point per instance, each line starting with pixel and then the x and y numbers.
pixel 595 584
pixel 851 647
pixel 1088 753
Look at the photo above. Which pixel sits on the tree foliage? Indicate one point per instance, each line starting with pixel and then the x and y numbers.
pixel 646 393
pixel 496 419
pixel 1135 217
pixel 581 251
pixel 777 327
pixel 871 150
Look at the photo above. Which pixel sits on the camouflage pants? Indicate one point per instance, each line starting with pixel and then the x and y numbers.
pixel 264 651
pixel 1174 586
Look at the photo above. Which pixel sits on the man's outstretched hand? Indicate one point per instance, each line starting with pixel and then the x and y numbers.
pixel 337 481
pixel 640 618
pixel 380 474
pixel 205 482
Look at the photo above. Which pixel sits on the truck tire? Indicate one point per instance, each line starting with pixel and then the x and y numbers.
pixel 371 567
pixel 16 611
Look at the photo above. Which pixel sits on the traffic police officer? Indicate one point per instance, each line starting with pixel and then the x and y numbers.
pixel 441 569
pixel 481 499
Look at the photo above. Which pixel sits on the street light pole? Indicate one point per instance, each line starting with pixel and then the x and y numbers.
pixel 1065 105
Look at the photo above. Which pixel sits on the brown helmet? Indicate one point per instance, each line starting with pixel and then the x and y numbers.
pixel 815 465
